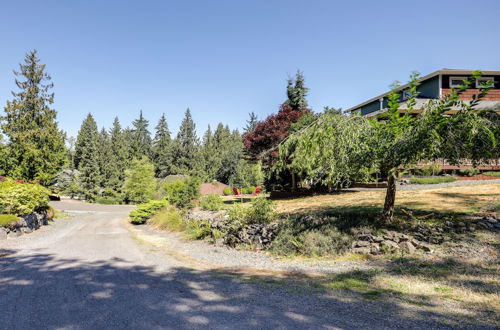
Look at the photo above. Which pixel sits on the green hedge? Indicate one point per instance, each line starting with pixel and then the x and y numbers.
pixel 7 219
pixel 492 173
pixel 212 202
pixel 22 198
pixel 433 180
pixel 145 211
pixel 182 193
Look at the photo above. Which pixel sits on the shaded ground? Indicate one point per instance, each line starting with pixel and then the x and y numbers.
pixel 89 273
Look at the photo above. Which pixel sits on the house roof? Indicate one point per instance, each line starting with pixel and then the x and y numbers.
pixel 430 75
pixel 421 102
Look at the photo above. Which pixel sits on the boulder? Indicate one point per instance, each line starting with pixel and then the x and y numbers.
pixel 362 250
pixel 3 233
pixel 389 244
pixel 357 244
pixel 408 247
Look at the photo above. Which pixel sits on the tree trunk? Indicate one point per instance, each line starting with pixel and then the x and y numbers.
pixel 390 198
pixel 294 182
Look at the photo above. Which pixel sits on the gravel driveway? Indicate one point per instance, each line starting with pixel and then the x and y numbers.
pixel 88 272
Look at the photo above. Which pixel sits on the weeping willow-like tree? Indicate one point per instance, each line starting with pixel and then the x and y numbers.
pixel 336 149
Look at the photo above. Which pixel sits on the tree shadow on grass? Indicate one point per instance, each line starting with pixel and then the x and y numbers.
pixel 42 291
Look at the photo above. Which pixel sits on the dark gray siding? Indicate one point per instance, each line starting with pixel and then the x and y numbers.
pixel 429 88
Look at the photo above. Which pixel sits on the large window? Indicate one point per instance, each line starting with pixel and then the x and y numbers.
pixel 483 82
pixel 456 82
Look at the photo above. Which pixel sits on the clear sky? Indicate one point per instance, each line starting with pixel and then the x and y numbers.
pixel 224 59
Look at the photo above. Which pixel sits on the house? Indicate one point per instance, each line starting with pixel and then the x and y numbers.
pixel 434 86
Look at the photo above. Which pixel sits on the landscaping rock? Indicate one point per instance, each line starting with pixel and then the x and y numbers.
pixel 362 250
pixel 389 244
pixel 3 233
pixel 408 247
pixel 357 244
pixel 14 233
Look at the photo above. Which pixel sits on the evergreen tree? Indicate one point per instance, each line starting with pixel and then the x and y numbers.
pixel 141 138
pixel 120 152
pixel 87 158
pixel 251 122
pixel 210 158
pixel 106 159
pixel 297 92
pixel 36 147
pixel 186 158
pixel 162 149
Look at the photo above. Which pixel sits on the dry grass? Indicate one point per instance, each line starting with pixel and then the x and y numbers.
pixel 464 199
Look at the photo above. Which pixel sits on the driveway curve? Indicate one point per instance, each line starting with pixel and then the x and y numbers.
pixel 88 272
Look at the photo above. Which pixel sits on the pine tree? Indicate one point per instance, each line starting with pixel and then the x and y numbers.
pixel 140 183
pixel 186 158
pixel 162 149
pixel 120 151
pixel 251 122
pixel 87 158
pixel 36 147
pixel 297 92
pixel 141 138
pixel 105 158
pixel 209 156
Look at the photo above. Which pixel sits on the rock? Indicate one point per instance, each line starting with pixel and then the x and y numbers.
pixel 26 230
pixel 377 239
pixel 492 220
pixel 389 244
pixel 365 237
pixel 461 224
pixel 357 244
pixel 374 248
pixel 361 250
pixel 407 247
pixel 449 224
pixel 3 233
pixel 14 234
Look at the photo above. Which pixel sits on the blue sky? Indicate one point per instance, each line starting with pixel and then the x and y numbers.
pixel 224 59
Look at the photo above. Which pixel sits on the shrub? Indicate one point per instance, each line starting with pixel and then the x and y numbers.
pixel 140 184
pixel 492 173
pixel 226 192
pixel 431 169
pixel 300 237
pixel 109 200
pixel 22 198
pixel 237 212
pixel 145 211
pixel 251 190
pixel 433 180
pixel 469 171
pixel 261 211
pixel 182 193
pixel 244 191
pixel 198 229
pixel 211 202
pixel 168 218
pixel 8 220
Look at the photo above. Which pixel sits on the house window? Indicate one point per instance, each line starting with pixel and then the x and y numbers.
pixel 481 82
pixel 456 82
pixel 406 95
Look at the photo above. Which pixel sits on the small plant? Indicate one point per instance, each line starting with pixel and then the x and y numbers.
pixel 198 229
pixel 251 190
pixel 470 171
pixel 244 191
pixel 109 200
pixel 261 211
pixel 212 202
pixel 145 211
pixel 8 220
pixel 168 218
pixel 227 192
pixel 182 193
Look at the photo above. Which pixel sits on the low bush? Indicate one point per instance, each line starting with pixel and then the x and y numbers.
pixel 109 200
pixel 8 220
pixel 212 202
pixel 145 211
pixel 244 191
pixel 198 229
pixel 182 193
pixel 297 236
pixel 433 180
pixel 168 218
pixel 227 192
pixel 469 171
pixel 22 198
pixel 251 190
pixel 261 211
pixel 492 173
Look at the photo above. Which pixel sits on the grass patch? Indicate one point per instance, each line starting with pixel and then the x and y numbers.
pixel 433 180
pixel 168 218
pixel 492 173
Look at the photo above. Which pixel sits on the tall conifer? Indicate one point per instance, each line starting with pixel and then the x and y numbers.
pixel 162 149
pixel 141 138
pixel 87 158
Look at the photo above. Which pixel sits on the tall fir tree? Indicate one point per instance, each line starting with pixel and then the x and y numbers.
pixel 297 92
pixel 251 122
pixel 186 157
pixel 120 151
pixel 87 158
pixel 162 149
pixel 141 138
pixel 210 158
pixel 36 147
pixel 106 159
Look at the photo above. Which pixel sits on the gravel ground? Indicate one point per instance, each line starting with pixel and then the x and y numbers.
pixel 90 272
